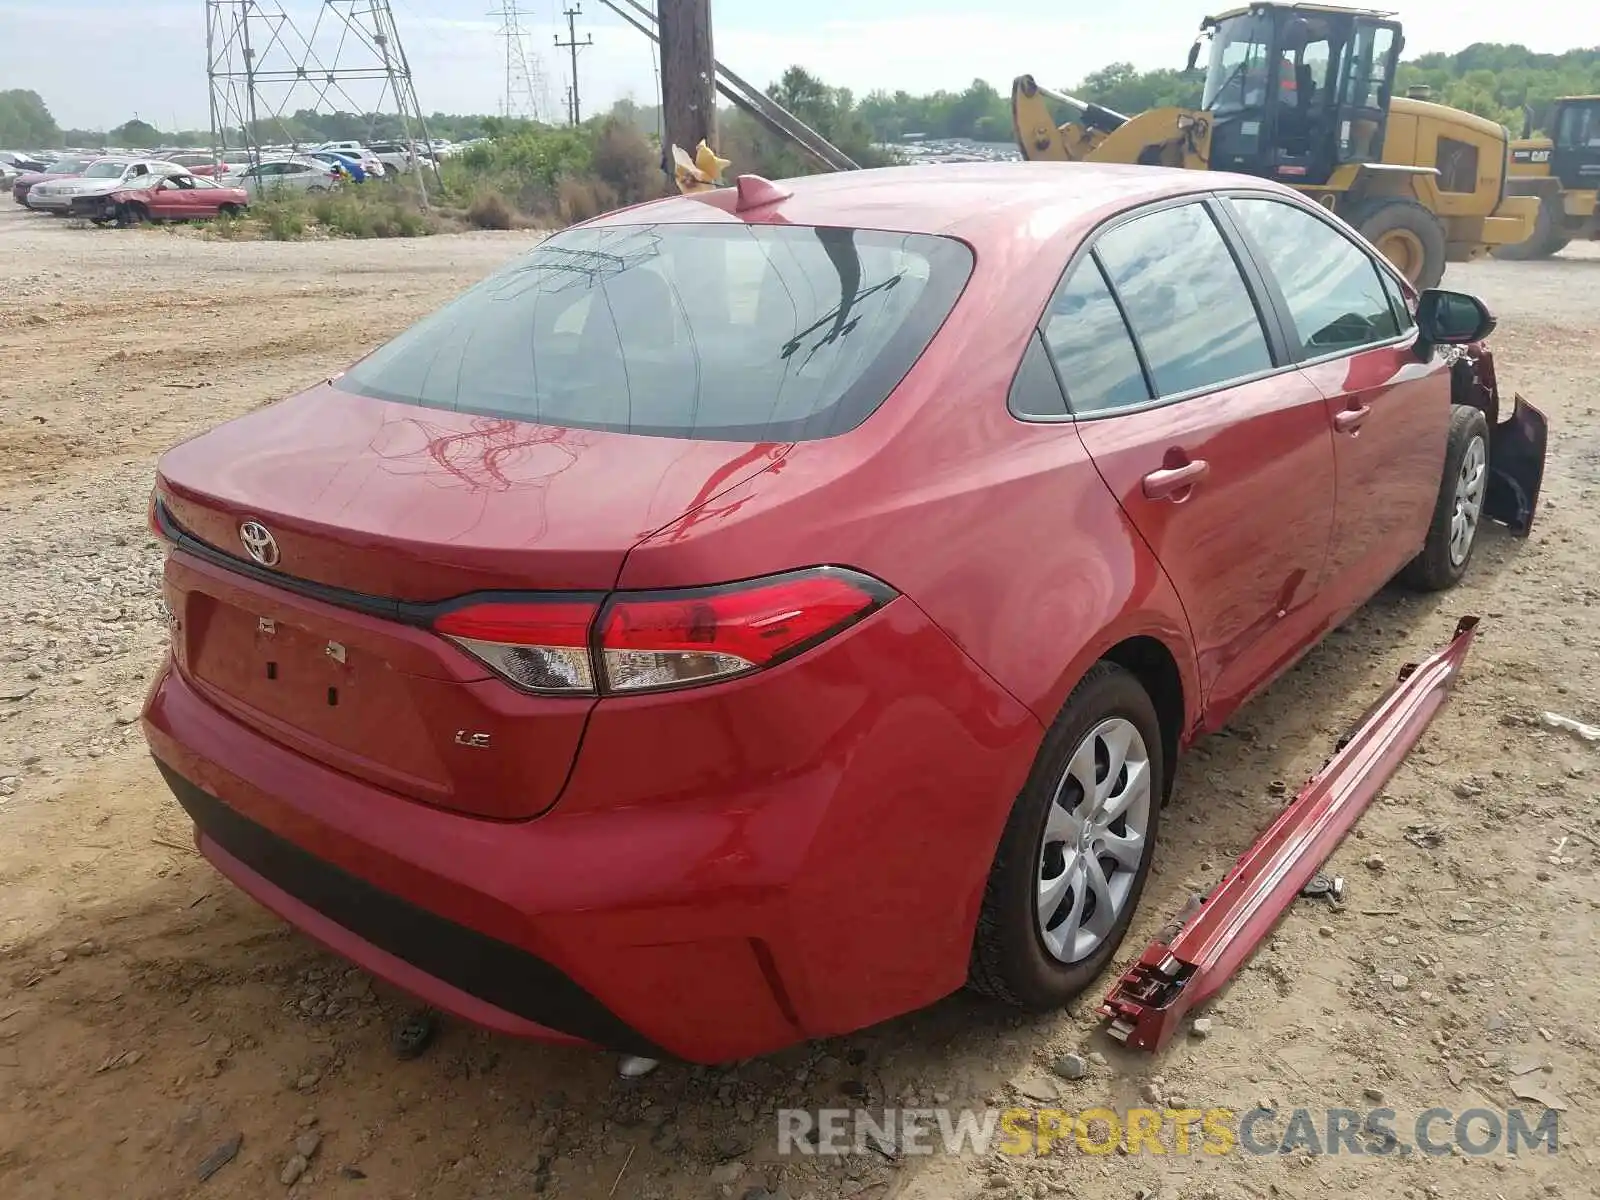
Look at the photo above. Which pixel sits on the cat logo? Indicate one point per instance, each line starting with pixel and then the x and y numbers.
pixel 478 741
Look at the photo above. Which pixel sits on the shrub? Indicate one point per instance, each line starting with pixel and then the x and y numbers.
pixel 579 199
pixel 626 162
pixel 282 219
pixel 229 227
pixel 361 212
pixel 533 154
pixel 490 210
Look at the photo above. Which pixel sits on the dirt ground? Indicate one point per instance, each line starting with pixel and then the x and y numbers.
pixel 149 1013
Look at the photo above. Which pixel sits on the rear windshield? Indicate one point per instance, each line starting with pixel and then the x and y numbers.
pixel 728 331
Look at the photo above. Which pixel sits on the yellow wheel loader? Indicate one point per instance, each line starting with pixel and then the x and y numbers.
pixel 1563 172
pixel 1303 93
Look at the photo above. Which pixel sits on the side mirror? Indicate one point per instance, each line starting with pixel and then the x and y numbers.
pixel 1452 318
pixel 1194 57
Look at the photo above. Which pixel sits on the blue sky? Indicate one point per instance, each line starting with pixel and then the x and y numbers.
pixel 98 62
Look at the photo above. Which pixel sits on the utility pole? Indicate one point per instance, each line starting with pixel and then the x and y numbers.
pixel 688 76
pixel 574 109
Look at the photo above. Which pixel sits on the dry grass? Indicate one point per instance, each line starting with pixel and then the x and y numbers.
pixel 490 210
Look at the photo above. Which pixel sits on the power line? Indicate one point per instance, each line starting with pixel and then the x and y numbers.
pixel 526 91
pixel 262 67
pixel 574 107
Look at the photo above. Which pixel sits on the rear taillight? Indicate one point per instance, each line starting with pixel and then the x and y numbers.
pixel 671 639
pixel 650 641
pixel 153 515
pixel 541 646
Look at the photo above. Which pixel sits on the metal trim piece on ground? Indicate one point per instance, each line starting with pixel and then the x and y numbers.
pixel 1178 972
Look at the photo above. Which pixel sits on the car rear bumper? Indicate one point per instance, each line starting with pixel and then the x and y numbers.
pixel 754 911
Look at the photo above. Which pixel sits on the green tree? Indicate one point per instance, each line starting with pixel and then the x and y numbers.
pixel 25 122
pixel 135 135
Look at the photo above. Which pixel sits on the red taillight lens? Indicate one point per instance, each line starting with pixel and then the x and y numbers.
pixel 654 640
pixel 663 641
pixel 153 517
pixel 538 646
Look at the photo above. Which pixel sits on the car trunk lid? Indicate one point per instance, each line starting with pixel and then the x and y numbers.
pixel 379 511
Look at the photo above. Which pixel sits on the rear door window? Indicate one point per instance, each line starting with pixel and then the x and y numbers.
pixel 1185 298
pixel 1090 346
pixel 719 331
pixel 1333 288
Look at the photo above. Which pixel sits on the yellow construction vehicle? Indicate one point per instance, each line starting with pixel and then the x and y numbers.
pixel 1563 172
pixel 1303 93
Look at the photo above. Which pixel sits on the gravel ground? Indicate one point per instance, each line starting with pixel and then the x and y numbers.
pixel 150 1015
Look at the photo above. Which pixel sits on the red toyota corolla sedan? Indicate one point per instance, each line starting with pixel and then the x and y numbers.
pixel 752 615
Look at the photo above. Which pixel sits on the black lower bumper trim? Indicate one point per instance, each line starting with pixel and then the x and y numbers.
pixel 494 971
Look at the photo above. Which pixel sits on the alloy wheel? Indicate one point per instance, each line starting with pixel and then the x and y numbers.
pixel 1470 485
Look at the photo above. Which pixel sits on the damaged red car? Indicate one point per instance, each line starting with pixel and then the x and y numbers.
pixel 755 614
pixel 172 198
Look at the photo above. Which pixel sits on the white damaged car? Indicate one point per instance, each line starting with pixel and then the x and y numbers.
pixel 84 195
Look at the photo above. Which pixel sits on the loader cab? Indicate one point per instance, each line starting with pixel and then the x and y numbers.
pixel 1575 138
pixel 1296 91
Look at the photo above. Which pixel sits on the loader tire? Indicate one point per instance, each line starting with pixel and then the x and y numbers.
pixel 1458 512
pixel 1407 234
pixel 1547 238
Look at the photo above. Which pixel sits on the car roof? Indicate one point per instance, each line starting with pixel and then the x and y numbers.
pixel 988 202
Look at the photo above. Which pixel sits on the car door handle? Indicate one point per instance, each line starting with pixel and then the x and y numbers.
pixel 1349 420
pixel 1169 481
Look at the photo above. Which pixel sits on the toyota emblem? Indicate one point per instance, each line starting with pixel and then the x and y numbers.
pixel 259 543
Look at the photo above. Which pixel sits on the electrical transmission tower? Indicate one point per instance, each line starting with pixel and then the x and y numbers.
pixel 574 107
pixel 263 68
pixel 527 92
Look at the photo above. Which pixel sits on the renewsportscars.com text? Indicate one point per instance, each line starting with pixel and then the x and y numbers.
pixel 1376 1132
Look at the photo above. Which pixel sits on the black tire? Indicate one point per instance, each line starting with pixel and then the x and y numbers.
pixel 228 210
pixel 132 214
pixel 1435 569
pixel 1547 238
pixel 1391 215
pixel 1009 960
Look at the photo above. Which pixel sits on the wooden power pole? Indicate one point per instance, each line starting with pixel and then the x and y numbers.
pixel 688 76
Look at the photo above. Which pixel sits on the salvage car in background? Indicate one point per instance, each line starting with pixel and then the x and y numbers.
pixel 14 163
pixel 68 167
pixel 349 162
pixel 84 195
pixel 285 175
pixel 370 162
pixel 780 655
pixel 173 198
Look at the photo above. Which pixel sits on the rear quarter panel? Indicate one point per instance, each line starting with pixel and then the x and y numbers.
pixel 1001 531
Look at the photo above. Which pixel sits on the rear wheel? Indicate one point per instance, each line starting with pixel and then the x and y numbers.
pixel 1077 848
pixel 1453 532
pixel 1547 238
pixel 1407 234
